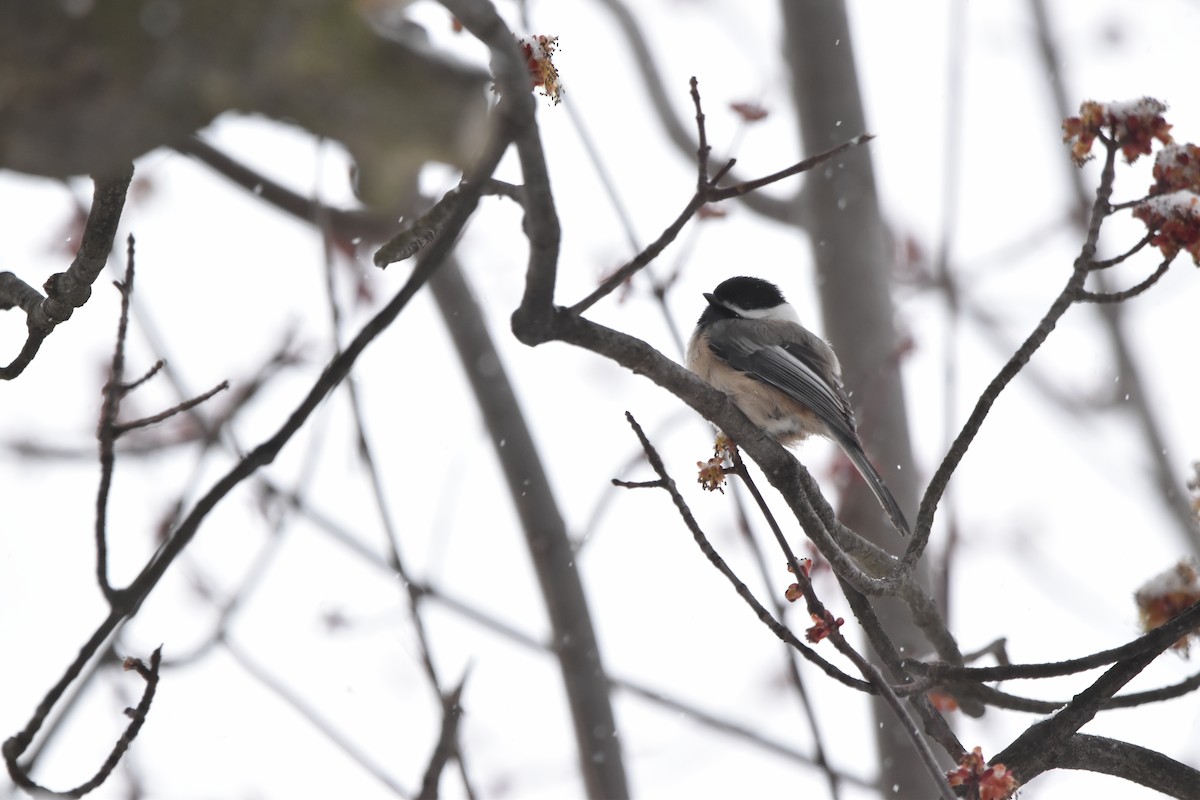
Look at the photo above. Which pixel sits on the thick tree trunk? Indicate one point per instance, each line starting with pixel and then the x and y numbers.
pixel 853 256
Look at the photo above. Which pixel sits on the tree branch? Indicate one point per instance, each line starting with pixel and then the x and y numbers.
pixel 67 291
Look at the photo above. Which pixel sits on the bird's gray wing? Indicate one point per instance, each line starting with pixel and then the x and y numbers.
pixel 797 370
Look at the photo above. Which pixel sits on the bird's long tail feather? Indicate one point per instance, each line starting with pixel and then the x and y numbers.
pixel 865 468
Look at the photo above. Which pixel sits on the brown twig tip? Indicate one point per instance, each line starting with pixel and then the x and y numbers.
pixel 15 746
pixel 150 373
pixel 186 405
pixel 638 484
pixel 134 664
pixel 703 149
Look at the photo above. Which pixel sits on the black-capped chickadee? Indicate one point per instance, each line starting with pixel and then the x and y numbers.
pixel 749 343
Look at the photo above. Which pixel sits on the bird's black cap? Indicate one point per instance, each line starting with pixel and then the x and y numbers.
pixel 746 293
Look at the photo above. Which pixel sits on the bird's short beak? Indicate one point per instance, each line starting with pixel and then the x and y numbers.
pixel 712 301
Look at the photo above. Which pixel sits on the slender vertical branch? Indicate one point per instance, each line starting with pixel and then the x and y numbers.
pixel 1068 295
pixel 106 431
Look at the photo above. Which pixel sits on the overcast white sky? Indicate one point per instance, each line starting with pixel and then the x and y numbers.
pixel 1057 521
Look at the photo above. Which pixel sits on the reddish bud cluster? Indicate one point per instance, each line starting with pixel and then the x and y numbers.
pixel 539 56
pixel 1172 211
pixel 1166 595
pixel 993 782
pixel 1177 166
pixel 712 471
pixel 1175 219
pixel 826 624
pixel 1132 125
pixel 712 474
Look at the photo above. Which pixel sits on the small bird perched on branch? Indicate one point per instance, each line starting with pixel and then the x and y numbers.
pixel 749 343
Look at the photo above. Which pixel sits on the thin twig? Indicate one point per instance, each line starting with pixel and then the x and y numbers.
pixel 147 375
pixel 941 478
pixel 650 80
pixel 818 611
pixel 600 758
pixel 447 743
pixel 1012 702
pixel 106 431
pixel 14 746
pixel 298 704
pixel 1112 262
pixel 907 723
pixel 264 453
pixel 745 187
pixel 651 252
pixel 1117 297
pixel 178 408
pixel 706 192
pixel 703 150
pixel 739 468
pixel 1154 641
pixel 379 493
pixel 793 668
pixel 1152 436
pixel 776 627
pixel 510 633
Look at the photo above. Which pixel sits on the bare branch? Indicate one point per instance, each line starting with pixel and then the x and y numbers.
pixel 941 478
pixel 1034 750
pixel 1139 765
pixel 907 723
pixel 643 59
pixel 1153 642
pixel 313 717
pixel 793 669
pixel 1152 434
pixel 706 192
pixel 130 599
pixel 447 744
pixel 178 408
pixel 419 232
pixel 1133 291
pixel 16 745
pixel 745 187
pixel 67 291
pixel 600 759
pixel 776 627
pixel 511 634
pixel 345 225
pixel 1112 262
pixel 106 431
